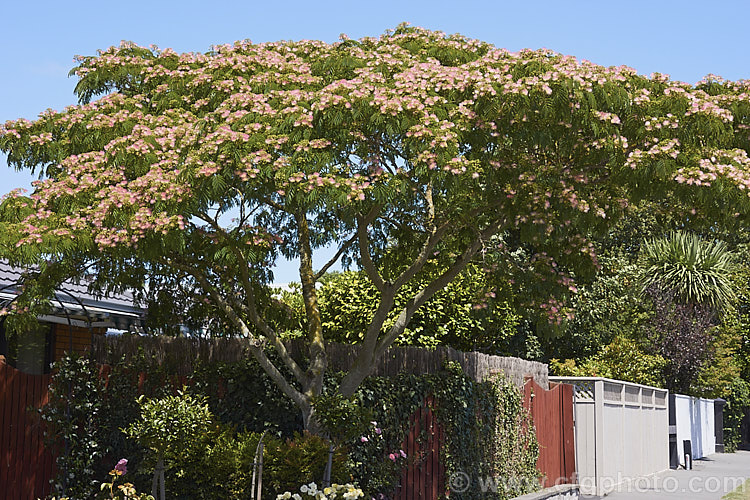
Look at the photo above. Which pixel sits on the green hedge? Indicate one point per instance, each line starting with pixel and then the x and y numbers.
pixel 487 431
pixel 738 401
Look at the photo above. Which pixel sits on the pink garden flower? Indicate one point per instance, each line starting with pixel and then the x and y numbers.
pixel 122 467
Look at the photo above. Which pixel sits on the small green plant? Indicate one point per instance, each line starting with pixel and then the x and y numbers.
pixel 172 428
pixel 343 419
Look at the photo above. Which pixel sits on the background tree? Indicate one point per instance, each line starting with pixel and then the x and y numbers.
pixel 622 359
pixel 690 283
pixel 415 153
pixel 680 333
pixel 465 314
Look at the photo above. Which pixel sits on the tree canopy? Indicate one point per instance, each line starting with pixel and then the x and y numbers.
pixel 415 153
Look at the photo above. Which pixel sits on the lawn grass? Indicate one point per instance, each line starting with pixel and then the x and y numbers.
pixel 741 493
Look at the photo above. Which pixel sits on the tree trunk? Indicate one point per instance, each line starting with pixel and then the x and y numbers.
pixel 157 485
pixel 354 378
pixel 317 349
pixel 309 421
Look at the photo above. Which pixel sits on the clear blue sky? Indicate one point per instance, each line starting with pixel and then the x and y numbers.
pixel 685 39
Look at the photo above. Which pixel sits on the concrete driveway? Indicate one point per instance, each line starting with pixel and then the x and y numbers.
pixel 711 478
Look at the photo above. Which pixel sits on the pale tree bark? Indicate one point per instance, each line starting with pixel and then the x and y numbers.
pixel 313 384
pixel 375 344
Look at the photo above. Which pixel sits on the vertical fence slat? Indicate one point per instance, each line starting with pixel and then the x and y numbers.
pixel 20 422
pixel 15 396
pixel 47 458
pixel 5 395
pixel 7 435
pixel 26 421
pixel 418 470
pixel 38 444
pixel 552 415
pixel 441 469
pixel 569 452
pixel 412 467
pixel 25 466
pixel 4 425
pixel 429 450
pixel 436 463
pixel 21 432
pixel 42 384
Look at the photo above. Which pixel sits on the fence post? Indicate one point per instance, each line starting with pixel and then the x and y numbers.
pixel 256 487
pixel 599 435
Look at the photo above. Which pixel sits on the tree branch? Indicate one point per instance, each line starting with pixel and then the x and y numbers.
pixel 331 262
pixel 364 247
pixel 436 234
pixel 435 286
pixel 316 342
pixel 256 346
pixel 252 305
pixel 371 349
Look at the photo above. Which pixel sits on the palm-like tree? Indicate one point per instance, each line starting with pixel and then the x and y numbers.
pixel 689 281
pixel 697 271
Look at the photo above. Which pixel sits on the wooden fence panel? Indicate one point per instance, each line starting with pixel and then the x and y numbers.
pixel 182 354
pixel 25 465
pixel 552 414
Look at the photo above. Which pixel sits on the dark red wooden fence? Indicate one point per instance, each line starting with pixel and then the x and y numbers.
pixel 424 475
pixel 552 413
pixel 25 465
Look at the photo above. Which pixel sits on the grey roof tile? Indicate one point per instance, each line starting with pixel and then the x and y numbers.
pixel 119 307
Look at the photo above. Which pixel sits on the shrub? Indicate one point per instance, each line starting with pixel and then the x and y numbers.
pixel 623 359
pixel 214 457
pixel 72 416
pixel 177 430
pixel 738 402
pixel 243 395
pixel 287 464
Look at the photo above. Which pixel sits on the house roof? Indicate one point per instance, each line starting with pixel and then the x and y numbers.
pixel 74 303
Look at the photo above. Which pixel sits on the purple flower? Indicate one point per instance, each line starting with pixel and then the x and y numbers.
pixel 122 466
pixel 378 430
pixel 403 453
pixel 363 439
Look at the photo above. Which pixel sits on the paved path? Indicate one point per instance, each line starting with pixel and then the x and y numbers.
pixel 711 478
